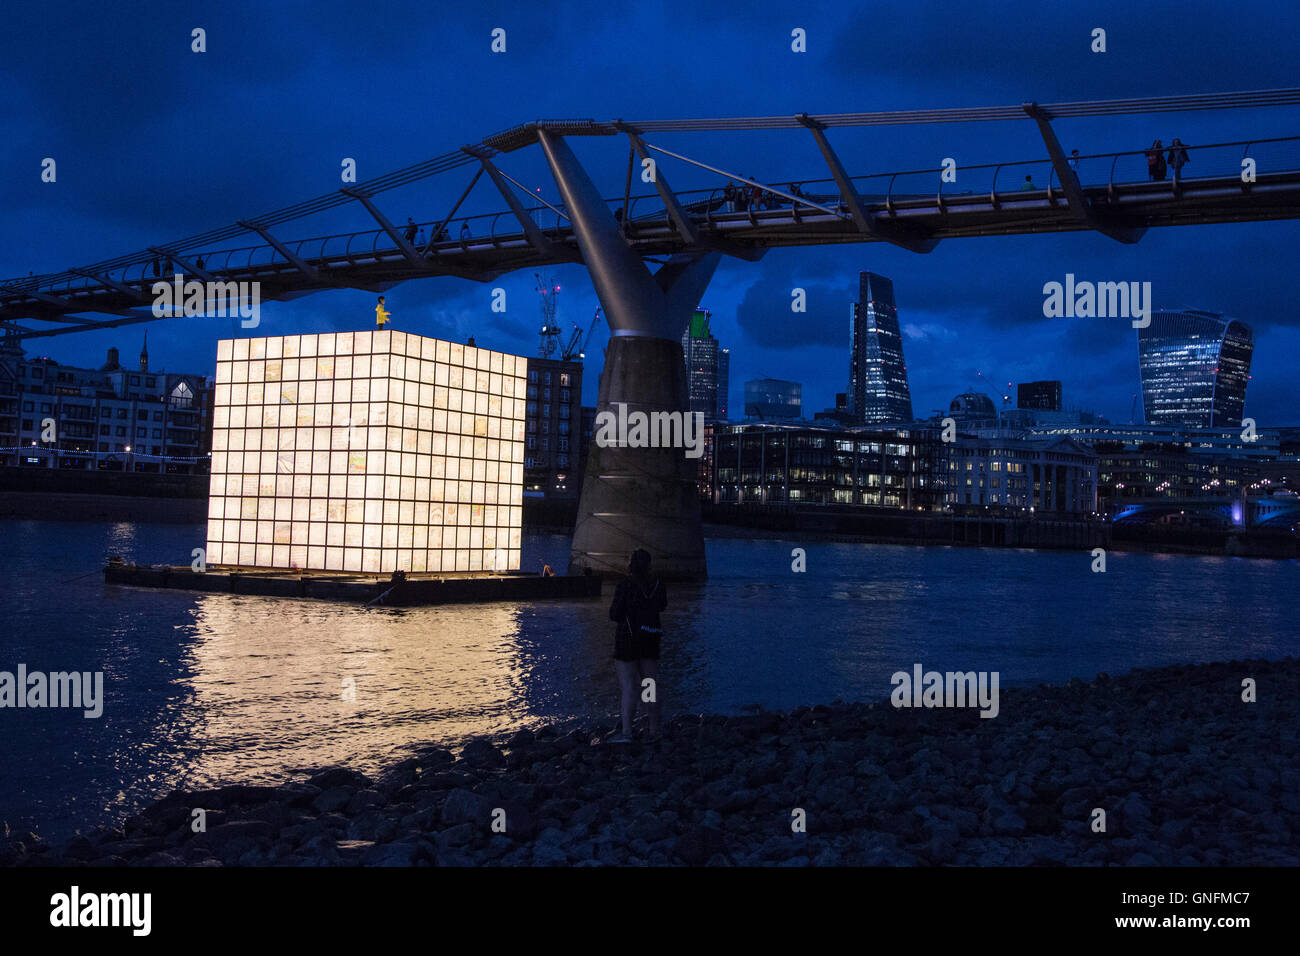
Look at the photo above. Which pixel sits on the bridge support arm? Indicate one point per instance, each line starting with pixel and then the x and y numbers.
pixel 530 227
pixel 290 256
pixel 680 219
pixel 850 196
pixel 1074 197
pixel 398 239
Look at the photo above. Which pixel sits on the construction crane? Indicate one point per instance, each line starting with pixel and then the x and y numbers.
pixel 550 292
pixel 578 342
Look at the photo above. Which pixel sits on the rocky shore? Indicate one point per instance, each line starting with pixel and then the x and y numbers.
pixel 1186 771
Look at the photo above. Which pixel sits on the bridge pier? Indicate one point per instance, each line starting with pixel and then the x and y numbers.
pixel 639 497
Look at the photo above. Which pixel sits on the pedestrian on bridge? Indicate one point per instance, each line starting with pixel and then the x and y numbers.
pixel 464 231
pixel 1156 161
pixel 1178 157
pixel 411 229
pixel 729 196
pixel 1028 183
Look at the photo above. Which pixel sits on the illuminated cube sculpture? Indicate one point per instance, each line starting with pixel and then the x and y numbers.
pixel 366 451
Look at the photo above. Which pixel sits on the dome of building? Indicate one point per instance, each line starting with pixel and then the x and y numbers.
pixel 973 406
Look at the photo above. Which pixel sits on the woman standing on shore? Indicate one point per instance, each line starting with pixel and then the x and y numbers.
pixel 638 599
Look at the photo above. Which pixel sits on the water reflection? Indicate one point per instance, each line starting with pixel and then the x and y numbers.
pixel 272 680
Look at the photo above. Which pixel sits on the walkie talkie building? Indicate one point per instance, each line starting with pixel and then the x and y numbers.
pixel 1195 368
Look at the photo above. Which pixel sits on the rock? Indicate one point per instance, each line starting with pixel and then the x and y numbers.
pixel 457 836
pixel 546 854
pixel 521 738
pixel 353 852
pixel 482 754
pixel 1008 823
pixel 335 798
pixel 243 833
pixel 519 821
pixel 649 828
pixel 466 806
pixel 400 775
pixel 390 854
pixel 365 800
pixel 699 844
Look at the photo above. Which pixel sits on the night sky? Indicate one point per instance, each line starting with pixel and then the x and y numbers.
pixel 155 143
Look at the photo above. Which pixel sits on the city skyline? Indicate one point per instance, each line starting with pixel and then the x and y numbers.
pixel 973 305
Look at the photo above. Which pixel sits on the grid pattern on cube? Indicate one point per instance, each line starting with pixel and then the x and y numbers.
pixel 366 451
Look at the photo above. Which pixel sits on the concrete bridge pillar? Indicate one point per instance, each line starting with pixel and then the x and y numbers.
pixel 634 497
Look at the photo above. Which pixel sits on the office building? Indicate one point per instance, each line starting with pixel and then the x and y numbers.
pixel 553 435
pixel 1056 474
pixel 758 464
pixel 708 369
pixel 1195 367
pixel 773 399
pixel 878 391
pixel 1044 396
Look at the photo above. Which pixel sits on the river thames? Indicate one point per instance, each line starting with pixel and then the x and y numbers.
pixel 208 689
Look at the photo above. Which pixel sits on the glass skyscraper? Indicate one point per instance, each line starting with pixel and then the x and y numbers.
pixel 708 369
pixel 1195 368
pixel 878 390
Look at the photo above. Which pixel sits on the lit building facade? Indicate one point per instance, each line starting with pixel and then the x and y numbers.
pixel 878 389
pixel 801 464
pixel 1051 475
pixel 1195 367
pixel 370 451
pixel 113 418
pixel 553 438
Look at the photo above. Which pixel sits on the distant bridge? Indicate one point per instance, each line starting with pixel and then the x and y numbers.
pixel 1278 511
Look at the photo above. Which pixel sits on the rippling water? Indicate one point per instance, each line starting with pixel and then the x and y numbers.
pixel 209 689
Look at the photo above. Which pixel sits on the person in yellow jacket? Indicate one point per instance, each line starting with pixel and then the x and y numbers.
pixel 382 315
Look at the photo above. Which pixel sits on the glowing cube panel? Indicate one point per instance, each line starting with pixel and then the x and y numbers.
pixel 366 451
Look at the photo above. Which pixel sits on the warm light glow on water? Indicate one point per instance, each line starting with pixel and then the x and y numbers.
pixel 205 689
pixel 276 688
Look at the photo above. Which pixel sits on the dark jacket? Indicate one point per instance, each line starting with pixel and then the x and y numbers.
pixel 635 611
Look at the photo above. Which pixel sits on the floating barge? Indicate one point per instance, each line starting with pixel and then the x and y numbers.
pixel 397 590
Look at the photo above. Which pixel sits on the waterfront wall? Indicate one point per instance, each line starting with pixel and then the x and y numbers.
pixel 893 525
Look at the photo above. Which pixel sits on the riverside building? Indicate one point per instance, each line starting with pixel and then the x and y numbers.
pixel 113 418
